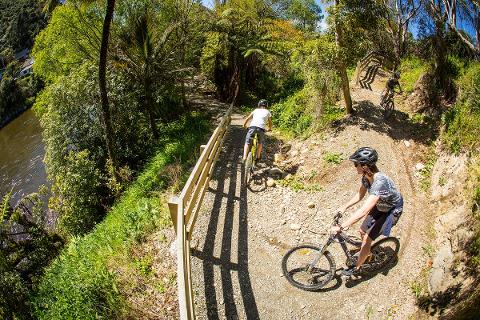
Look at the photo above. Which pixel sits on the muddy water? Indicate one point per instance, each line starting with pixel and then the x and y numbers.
pixel 21 156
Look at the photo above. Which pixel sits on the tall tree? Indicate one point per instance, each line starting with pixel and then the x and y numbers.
pixel 341 66
pixel 102 66
pixel 439 15
pixel 470 11
pixel 399 15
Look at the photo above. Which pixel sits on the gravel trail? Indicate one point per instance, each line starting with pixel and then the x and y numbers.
pixel 241 236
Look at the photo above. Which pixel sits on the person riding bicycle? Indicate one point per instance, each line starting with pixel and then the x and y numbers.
pixel 392 83
pixel 382 208
pixel 261 118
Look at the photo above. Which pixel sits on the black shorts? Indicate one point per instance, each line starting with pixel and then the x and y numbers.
pixel 378 222
pixel 250 133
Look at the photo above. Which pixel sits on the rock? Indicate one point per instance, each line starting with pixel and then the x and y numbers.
pixel 304 151
pixel 407 143
pixel 295 226
pixel 439 275
pixel 419 166
pixel 289 177
pixel 293 153
pixel 275 172
pixel 286 148
pixel 270 182
pixel 311 205
pixel 278 157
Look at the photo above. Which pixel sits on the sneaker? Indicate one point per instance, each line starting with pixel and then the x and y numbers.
pixel 350 271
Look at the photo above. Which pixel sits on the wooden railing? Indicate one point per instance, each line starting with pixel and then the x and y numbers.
pixel 184 211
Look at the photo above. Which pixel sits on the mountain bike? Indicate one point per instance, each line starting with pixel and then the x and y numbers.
pixel 251 160
pixel 310 267
pixel 386 102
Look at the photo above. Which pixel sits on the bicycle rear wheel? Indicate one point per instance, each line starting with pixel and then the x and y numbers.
pixel 383 252
pixel 298 269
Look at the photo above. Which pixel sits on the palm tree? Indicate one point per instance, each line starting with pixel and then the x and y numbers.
pixel 145 51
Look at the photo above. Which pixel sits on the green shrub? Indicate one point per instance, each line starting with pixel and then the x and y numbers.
pixel 334 158
pixel 292 115
pixel 411 69
pixel 462 121
pixel 81 283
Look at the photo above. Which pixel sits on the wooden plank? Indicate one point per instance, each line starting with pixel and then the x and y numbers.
pixel 188 274
pixel 173 207
pixel 201 181
pixel 192 179
pixel 184 304
pixel 191 224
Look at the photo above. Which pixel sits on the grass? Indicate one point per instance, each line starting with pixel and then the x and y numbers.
pixel 426 172
pixel 81 282
pixel 333 158
pixel 411 69
pixel 299 185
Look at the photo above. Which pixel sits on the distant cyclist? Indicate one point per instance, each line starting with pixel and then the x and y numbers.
pixel 261 118
pixel 382 208
pixel 392 83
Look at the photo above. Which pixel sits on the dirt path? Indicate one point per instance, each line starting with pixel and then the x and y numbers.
pixel 241 236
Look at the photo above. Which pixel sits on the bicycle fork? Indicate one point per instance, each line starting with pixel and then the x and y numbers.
pixel 322 250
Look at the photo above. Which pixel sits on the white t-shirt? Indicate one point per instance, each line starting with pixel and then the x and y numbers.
pixel 260 118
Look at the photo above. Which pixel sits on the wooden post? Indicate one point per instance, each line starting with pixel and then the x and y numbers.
pixel 182 276
pixel 173 207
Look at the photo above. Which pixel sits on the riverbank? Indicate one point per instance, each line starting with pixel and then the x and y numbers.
pixel 12 115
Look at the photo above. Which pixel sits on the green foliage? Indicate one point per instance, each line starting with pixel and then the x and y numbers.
pixel 462 121
pixel 20 21
pixel 411 69
pixel 23 256
pixel 426 172
pixel 297 184
pixel 333 158
pixel 81 283
pixel 305 13
pixel 70 39
pixel 292 115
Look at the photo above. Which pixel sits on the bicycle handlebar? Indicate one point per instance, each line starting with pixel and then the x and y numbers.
pixel 337 218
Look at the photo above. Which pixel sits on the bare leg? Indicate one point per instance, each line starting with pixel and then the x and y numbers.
pixel 246 148
pixel 364 251
pixel 259 151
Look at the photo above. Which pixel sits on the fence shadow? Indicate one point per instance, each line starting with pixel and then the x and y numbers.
pixel 222 213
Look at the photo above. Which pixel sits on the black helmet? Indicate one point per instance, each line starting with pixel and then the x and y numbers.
pixel 364 155
pixel 263 103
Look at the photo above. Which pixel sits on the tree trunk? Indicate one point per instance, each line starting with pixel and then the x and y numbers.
pixel 440 53
pixel 147 103
pixel 107 122
pixel 341 68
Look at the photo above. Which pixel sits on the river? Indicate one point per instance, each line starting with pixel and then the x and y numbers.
pixel 21 156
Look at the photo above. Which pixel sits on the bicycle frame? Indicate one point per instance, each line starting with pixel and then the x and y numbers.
pixel 254 148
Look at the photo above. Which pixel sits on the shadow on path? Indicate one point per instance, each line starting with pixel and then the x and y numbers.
pixel 226 173
pixel 398 126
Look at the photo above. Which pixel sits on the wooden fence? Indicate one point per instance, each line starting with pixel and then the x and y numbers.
pixel 184 211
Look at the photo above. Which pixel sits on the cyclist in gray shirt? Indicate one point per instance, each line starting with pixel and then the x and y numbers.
pixel 382 208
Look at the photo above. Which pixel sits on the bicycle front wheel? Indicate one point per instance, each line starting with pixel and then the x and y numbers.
pixel 305 268
pixel 248 168
pixel 388 108
pixel 383 252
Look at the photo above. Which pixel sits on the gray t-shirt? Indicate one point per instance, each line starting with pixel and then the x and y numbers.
pixel 384 188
